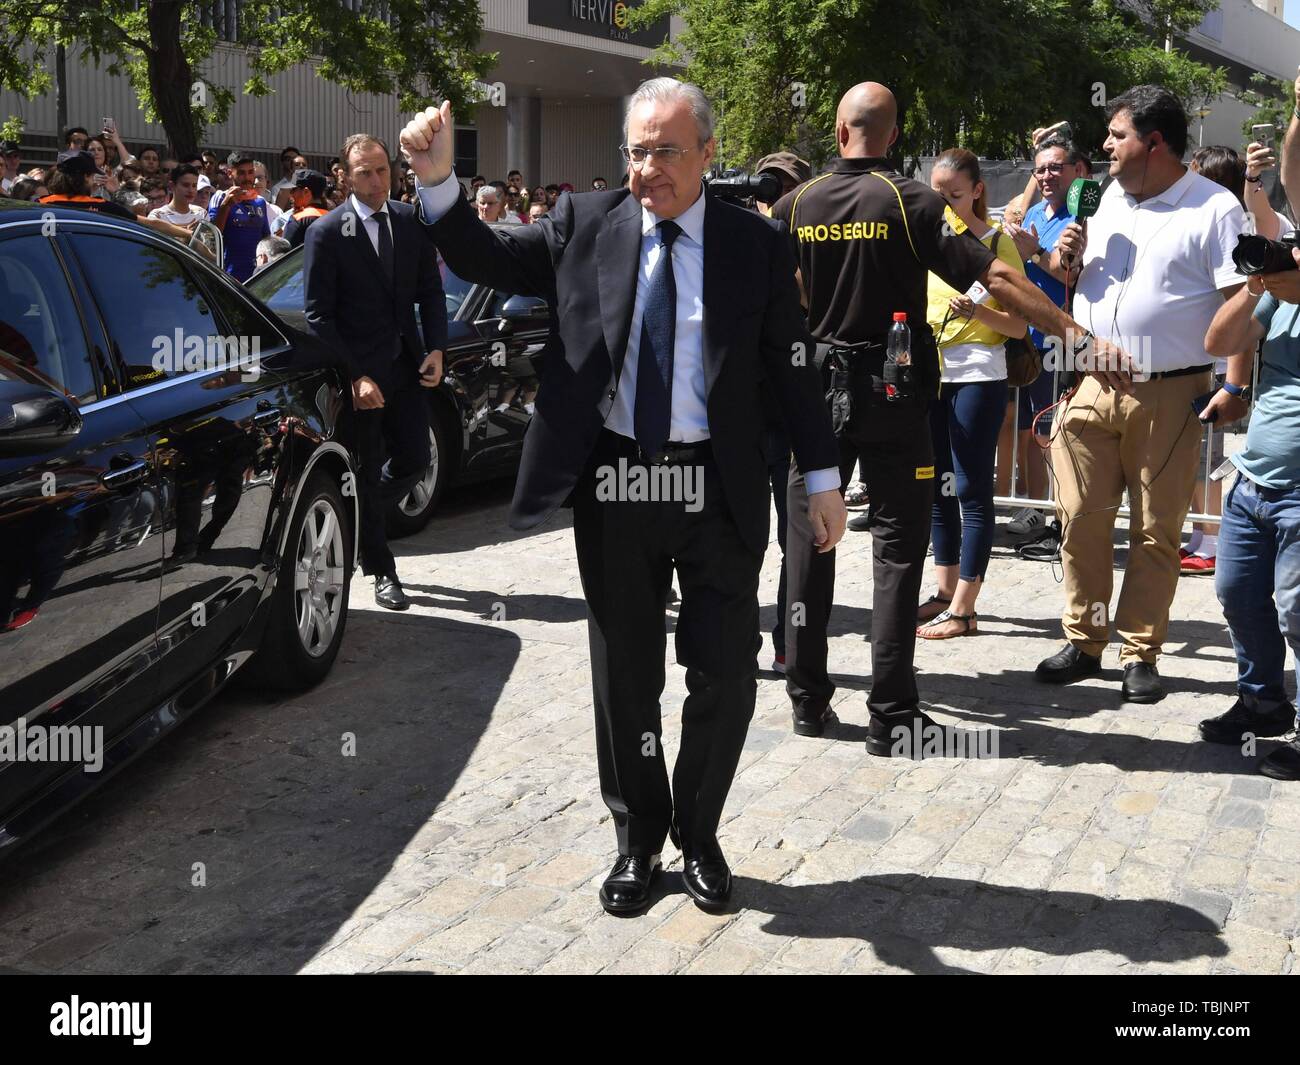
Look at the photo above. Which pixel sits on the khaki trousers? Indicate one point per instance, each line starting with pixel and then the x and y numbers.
pixel 1150 443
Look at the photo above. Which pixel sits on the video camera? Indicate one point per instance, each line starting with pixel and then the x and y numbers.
pixel 741 188
pixel 1259 255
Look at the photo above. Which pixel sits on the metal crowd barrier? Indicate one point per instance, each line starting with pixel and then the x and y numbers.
pixel 1049 504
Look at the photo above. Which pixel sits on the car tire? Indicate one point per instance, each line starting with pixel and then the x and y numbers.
pixel 412 513
pixel 308 614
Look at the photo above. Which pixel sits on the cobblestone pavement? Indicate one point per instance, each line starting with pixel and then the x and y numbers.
pixel 466 833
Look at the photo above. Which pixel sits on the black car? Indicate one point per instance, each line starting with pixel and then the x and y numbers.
pixel 165 518
pixel 496 347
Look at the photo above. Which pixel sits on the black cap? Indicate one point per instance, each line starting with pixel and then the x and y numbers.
pixel 310 179
pixel 76 161
pixel 9 148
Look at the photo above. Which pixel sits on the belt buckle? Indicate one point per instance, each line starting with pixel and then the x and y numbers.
pixel 651 460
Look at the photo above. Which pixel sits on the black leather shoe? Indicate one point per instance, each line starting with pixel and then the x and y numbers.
pixel 1240 720
pixel 1142 683
pixel 1283 763
pixel 708 882
pixel 627 888
pixel 860 522
pixel 1069 663
pixel 814 726
pixel 389 594
pixel 901 734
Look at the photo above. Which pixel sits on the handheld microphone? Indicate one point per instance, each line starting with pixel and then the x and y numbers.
pixel 1082 201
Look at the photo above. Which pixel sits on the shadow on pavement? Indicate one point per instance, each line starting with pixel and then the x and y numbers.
pixel 293 834
pixel 905 917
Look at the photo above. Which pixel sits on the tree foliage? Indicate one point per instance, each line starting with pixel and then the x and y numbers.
pixel 422 50
pixel 981 74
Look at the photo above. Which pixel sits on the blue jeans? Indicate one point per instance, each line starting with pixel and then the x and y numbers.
pixel 964 426
pixel 1257 578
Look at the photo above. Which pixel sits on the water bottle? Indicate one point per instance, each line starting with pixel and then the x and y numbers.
pixel 898 360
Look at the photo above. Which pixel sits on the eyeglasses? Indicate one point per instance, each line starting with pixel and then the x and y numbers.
pixel 637 155
pixel 1050 168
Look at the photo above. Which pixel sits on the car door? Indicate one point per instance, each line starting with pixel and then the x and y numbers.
pixel 80 543
pixel 514 331
pixel 198 365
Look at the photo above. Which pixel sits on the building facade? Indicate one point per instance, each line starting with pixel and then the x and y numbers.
pixel 552 107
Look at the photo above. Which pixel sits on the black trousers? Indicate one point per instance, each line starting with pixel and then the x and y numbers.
pixel 400 430
pixel 626 555
pixel 898 470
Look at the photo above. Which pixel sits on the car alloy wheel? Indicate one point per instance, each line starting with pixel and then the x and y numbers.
pixel 415 501
pixel 319 578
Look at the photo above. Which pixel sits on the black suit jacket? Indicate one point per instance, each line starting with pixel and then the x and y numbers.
pixel 351 305
pixel 583 259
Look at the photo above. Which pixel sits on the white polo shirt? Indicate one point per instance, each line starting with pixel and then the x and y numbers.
pixel 1153 270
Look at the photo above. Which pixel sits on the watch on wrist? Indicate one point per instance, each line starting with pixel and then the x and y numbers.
pixel 1240 391
pixel 1037 257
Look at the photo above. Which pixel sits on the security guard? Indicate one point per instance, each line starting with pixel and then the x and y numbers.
pixel 308 195
pixel 865 239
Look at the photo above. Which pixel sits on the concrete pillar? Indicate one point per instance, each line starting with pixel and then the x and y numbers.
pixel 524 137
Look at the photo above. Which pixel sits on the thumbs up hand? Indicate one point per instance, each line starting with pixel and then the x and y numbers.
pixel 427 144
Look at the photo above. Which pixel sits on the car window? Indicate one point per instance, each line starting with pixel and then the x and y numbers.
pixel 39 324
pixel 457 289
pixel 244 323
pixel 279 286
pixel 159 321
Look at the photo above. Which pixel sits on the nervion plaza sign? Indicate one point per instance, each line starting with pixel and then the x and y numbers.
pixel 597 18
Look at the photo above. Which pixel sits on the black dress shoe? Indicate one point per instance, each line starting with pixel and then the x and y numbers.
pixel 814 726
pixel 861 522
pixel 1283 763
pixel 1240 720
pixel 1069 663
pixel 1142 683
pixel 901 734
pixel 627 888
pixel 708 882
pixel 389 594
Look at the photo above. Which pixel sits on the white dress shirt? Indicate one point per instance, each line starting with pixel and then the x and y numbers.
pixel 1153 272
pixel 689 420
pixel 368 221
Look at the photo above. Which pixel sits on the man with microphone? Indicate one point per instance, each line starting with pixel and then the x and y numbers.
pixel 1158 267
pixel 673 307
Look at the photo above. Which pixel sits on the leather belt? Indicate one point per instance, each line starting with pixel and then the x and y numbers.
pixel 673 454
pixel 1184 372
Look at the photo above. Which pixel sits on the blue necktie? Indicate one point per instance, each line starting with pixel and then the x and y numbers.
pixel 654 367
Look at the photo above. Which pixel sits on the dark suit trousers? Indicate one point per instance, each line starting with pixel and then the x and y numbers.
pixel 894 446
pixel 627 551
pixel 399 429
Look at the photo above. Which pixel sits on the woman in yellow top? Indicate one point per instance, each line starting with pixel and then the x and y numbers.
pixel 970 329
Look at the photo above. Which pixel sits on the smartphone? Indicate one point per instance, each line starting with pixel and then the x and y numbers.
pixel 1263 134
pixel 1201 402
pixel 1063 128
pixel 109 126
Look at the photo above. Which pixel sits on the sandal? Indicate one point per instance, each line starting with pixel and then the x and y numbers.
pixel 924 615
pixel 967 620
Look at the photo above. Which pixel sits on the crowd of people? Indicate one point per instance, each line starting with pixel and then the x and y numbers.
pixel 259 219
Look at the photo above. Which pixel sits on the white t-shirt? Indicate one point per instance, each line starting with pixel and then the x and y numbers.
pixel 166 213
pixel 1153 270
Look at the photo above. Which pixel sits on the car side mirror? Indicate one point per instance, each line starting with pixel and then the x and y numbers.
pixel 33 416
pixel 525 308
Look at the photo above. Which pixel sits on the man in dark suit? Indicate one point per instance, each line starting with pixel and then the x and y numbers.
pixel 673 308
pixel 368 264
